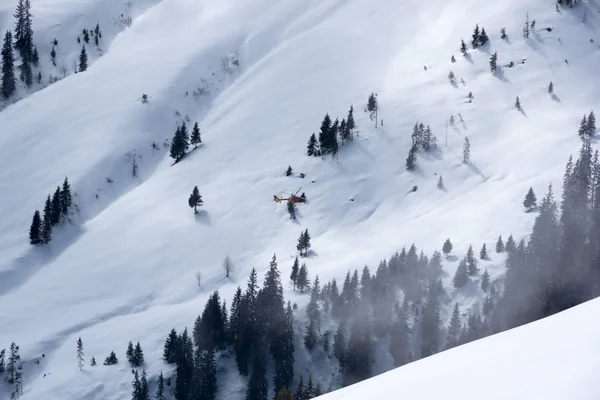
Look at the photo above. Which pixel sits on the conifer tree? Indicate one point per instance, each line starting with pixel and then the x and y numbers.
pixel 447 247
pixel 295 271
pixel 170 347
pixel 461 276
pixel 475 38
pixel 311 148
pixel 467 151
pixel 195 200
pixel 454 328
pixel 9 84
pixel 195 139
pixel 551 88
pixel 303 281
pixel 493 62
pixel 83 60
pixel 483 253
pixel 111 359
pixel 35 231
pixel 463 48
pixel 47 222
pixel 500 245
pixel 485 281
pixel 79 354
pixel 160 387
pixel 411 160
pixel 471 262
pixel 530 201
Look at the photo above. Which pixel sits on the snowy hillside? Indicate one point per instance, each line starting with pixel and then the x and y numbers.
pixel 549 359
pixel 125 267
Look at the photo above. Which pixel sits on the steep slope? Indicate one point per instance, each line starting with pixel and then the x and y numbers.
pixel 552 358
pixel 126 269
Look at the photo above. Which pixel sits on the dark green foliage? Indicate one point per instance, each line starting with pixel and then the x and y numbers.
pixel 9 84
pixel 195 200
pixel 295 271
pixel 530 201
pixel 461 276
pixel 83 60
pixel 170 348
pixel 454 328
pixel 447 247
pixel 483 253
pixel 35 231
pixel 311 148
pixel 195 139
pixel 485 281
pixel 47 222
pixel 500 245
pixel 111 359
pixel 209 329
pixel 411 160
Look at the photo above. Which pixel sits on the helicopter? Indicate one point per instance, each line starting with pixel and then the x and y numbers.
pixel 294 198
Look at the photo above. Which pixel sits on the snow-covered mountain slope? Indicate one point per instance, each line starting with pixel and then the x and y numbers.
pixel 554 358
pixel 125 270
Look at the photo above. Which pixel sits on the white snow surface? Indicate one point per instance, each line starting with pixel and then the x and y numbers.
pixel 125 268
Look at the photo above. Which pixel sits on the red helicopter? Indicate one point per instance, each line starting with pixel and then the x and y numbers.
pixel 294 198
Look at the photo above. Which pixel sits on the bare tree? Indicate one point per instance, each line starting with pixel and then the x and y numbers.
pixel 227 266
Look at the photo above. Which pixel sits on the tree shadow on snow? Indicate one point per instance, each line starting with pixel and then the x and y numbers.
pixel 203 218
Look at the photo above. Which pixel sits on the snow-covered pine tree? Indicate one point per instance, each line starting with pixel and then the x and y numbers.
pixel 80 354
pixel 500 245
pixel 530 201
pixel 467 151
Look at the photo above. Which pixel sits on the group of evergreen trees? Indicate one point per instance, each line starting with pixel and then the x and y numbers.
pixel 327 142
pixel 181 141
pixel 11 368
pixel 56 208
pixel 422 139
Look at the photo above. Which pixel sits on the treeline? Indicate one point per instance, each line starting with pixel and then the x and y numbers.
pixel 56 209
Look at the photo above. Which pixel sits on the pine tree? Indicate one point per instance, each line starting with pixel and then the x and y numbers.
pixel 483 253
pixel 65 196
pixel 129 353
pixel 447 247
pixel 461 276
pixel 551 88
pixel 411 160
pixel 83 60
pixel 56 210
pixel 9 84
pixel 518 104
pixel 493 62
pixel 80 354
pixel 510 245
pixel 111 359
pixel 467 151
pixel 170 348
pixel 160 388
pixel 475 38
pixel 471 262
pixel 47 222
pixel 454 328
pixel 485 281
pixel 463 48
pixel 311 148
pixel 195 139
pixel 294 274
pixel 303 281
pixel 500 245
pixel 530 201
pixel 35 231
pixel 195 200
